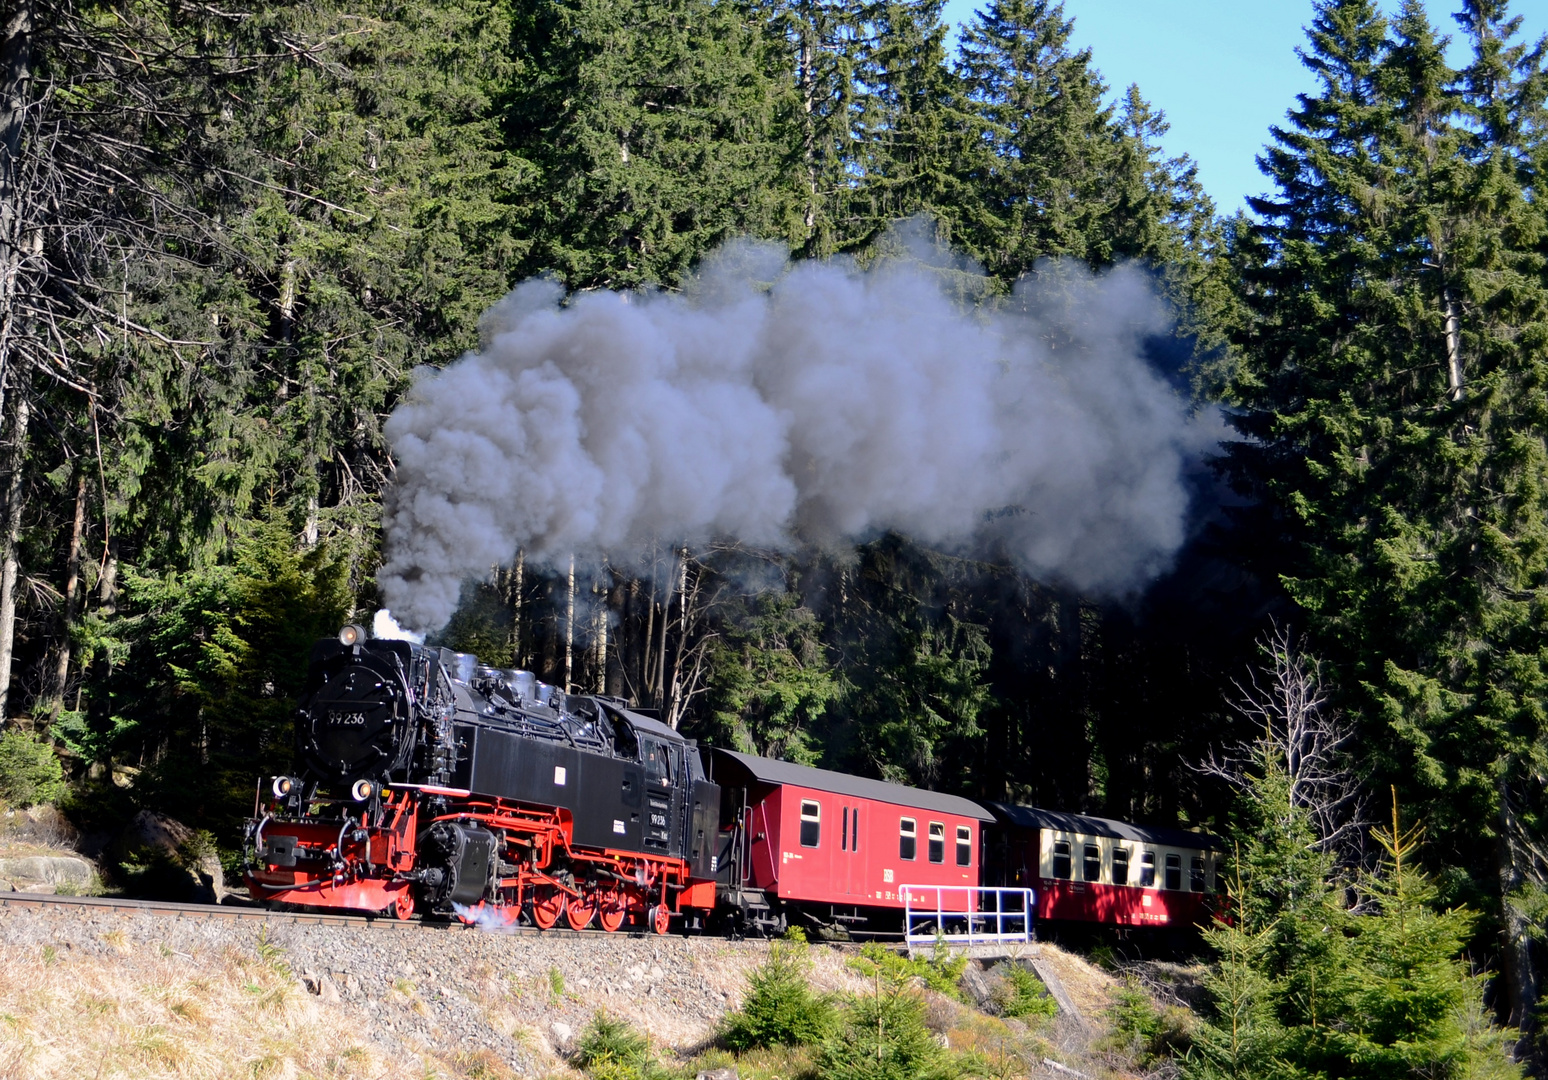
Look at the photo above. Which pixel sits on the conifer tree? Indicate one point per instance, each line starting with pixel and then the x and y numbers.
pixel 1393 373
pixel 911 118
pixel 1055 169
pixel 1048 139
pixel 654 130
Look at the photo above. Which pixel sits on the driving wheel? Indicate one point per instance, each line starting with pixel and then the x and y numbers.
pixel 547 905
pixel 580 910
pixel 612 910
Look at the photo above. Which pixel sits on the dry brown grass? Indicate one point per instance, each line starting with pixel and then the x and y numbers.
pixel 137 1013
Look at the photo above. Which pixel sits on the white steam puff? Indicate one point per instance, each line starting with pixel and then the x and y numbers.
pixel 832 403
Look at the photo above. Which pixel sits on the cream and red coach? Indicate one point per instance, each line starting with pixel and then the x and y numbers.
pixel 1097 870
pixel 809 846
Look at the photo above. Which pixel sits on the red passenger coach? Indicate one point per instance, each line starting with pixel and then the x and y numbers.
pixel 824 848
pixel 1096 870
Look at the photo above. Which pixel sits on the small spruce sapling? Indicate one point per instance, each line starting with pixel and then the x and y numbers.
pixel 780 1007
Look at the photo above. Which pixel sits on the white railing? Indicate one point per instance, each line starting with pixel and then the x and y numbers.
pixel 966 915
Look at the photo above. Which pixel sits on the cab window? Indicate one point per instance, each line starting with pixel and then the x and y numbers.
pixel 1147 869
pixel 907 831
pixel 657 768
pixel 964 845
pixel 1093 861
pixel 937 842
pixel 1061 859
pixel 811 823
pixel 1174 871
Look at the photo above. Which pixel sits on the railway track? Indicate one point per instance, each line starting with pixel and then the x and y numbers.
pixel 213 911
pixel 235 912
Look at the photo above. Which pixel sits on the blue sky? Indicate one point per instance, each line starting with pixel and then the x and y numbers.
pixel 1221 70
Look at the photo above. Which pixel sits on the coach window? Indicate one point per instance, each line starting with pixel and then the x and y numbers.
pixel 1196 875
pixel 937 842
pixel 1174 871
pixel 1061 866
pixel 1147 870
pixel 844 836
pixel 1093 861
pixel 811 823
pixel 1120 865
pixel 906 833
pixel 964 845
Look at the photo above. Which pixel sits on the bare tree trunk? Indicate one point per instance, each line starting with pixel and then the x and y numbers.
pixel 15 87
pixel 1520 973
pixel 9 567
pixel 15 90
pixel 1453 343
pixel 107 588
pixel 513 599
pixel 599 638
pixel 72 598
pixel 672 704
pixel 808 148
pixel 569 626
pixel 661 657
pixel 287 315
pixel 647 662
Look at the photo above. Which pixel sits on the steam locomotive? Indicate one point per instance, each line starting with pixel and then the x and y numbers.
pixel 431 783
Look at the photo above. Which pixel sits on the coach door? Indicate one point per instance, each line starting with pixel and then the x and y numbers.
pixel 852 877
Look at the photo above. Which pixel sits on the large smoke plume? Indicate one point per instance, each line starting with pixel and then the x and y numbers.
pixel 778 403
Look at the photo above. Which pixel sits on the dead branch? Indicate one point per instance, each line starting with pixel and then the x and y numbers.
pixel 1286 702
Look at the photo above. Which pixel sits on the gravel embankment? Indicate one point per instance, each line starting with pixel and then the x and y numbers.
pixel 520 997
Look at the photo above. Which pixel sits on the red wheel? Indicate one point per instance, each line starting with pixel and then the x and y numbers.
pixel 547 905
pixel 580 911
pixel 612 910
pixel 660 917
pixel 402 906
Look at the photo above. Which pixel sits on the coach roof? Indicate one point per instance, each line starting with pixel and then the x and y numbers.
pixel 1030 817
pixel 770 771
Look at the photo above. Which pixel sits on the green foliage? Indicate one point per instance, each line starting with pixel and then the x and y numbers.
pixel 611 1049
pixel 884 1037
pixel 770 679
pixel 1025 995
pixel 1142 1032
pixel 217 660
pixel 1391 377
pixel 1302 985
pixel 914 672
pixel 941 971
pixel 780 1006
pixel 653 130
pixel 30 772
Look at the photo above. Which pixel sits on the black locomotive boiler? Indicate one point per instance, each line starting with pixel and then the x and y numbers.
pixel 429 782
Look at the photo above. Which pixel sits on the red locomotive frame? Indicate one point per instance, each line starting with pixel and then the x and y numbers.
pixel 357 864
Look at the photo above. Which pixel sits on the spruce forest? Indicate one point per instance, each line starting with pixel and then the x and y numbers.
pixel 230 235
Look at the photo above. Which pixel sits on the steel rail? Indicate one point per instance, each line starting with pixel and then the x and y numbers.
pixel 209 911
pixel 168 909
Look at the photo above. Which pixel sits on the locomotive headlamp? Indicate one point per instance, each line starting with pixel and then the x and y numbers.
pixel 282 786
pixel 362 790
pixel 352 635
